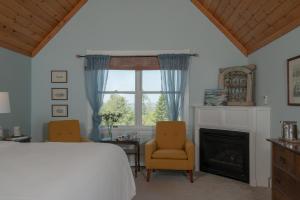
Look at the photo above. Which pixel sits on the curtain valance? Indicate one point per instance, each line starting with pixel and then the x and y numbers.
pixel 174 61
pixel 134 63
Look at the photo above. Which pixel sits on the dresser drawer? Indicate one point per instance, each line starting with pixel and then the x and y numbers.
pixel 284 159
pixel 276 195
pixel 286 184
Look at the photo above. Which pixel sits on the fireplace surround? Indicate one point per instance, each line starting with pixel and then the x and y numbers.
pixel 254 120
pixel 225 153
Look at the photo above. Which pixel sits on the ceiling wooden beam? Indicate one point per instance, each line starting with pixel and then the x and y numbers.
pixel 221 27
pixel 55 30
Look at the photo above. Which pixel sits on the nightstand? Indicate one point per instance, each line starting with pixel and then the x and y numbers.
pixel 21 139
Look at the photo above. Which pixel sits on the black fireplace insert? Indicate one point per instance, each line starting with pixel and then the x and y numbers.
pixel 225 153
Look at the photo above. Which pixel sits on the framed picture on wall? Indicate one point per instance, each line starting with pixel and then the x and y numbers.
pixel 59 110
pixel 293 81
pixel 59 76
pixel 59 93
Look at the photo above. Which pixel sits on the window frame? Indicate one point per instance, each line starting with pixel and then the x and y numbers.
pixel 138 99
pixel 133 92
pixel 140 125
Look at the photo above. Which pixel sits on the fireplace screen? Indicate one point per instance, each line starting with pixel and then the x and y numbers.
pixel 225 153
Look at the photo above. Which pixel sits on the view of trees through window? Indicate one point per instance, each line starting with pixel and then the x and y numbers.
pixel 119 104
pixel 154 111
pixel 123 96
pixel 151 111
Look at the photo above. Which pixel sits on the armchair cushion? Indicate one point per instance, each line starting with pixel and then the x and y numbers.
pixel 174 154
pixel 170 134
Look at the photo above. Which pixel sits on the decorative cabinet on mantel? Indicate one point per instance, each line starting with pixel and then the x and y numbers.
pixel 252 119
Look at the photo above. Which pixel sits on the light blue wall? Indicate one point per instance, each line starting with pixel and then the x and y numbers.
pixel 271 63
pixel 128 25
pixel 15 72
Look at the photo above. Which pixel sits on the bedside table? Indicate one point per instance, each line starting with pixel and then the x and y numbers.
pixel 21 139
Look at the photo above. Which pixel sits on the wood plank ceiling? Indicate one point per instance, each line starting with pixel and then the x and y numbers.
pixel 252 24
pixel 27 25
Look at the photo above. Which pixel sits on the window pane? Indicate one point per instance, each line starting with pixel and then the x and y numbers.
pixel 154 109
pixel 121 80
pixel 120 103
pixel 151 80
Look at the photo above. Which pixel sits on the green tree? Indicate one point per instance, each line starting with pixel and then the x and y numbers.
pixel 161 112
pixel 118 104
pixel 148 111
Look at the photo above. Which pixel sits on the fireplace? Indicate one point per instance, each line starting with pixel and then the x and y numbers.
pixel 225 153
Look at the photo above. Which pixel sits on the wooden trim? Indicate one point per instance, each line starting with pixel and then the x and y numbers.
pixel 289 27
pixel 220 26
pixel 52 33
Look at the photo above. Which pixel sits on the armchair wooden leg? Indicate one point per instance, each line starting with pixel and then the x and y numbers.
pixel 191 176
pixel 148 174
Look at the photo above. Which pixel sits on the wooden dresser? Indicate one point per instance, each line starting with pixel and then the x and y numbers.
pixel 285 170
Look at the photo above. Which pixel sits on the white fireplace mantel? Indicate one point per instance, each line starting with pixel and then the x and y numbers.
pixel 252 119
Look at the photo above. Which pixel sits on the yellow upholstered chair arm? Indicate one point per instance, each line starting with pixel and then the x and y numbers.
pixel 190 150
pixel 150 147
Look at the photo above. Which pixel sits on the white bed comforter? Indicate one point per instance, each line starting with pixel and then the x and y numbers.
pixel 64 171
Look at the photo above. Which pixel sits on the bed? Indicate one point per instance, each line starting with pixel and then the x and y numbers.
pixel 64 171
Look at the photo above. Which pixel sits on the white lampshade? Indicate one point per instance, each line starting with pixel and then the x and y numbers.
pixel 4 102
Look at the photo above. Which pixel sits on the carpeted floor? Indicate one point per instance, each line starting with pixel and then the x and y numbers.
pixel 176 186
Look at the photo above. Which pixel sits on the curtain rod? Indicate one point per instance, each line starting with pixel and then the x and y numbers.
pixel 83 56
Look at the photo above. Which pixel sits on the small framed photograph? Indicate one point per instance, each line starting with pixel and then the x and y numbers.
pixel 59 110
pixel 293 81
pixel 215 97
pixel 59 76
pixel 59 93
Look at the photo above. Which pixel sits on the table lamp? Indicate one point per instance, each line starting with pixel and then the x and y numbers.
pixel 4 107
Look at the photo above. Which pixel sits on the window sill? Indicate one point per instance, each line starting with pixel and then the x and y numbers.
pixel 130 128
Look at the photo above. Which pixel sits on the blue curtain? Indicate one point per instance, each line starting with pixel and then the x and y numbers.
pixel 96 72
pixel 174 71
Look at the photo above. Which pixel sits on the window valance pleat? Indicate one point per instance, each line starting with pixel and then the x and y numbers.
pixel 134 63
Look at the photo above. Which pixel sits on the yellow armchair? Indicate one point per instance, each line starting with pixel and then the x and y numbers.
pixel 170 149
pixel 65 131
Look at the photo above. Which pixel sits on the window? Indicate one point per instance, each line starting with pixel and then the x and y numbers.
pixel 136 95
pixel 153 107
pixel 119 96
